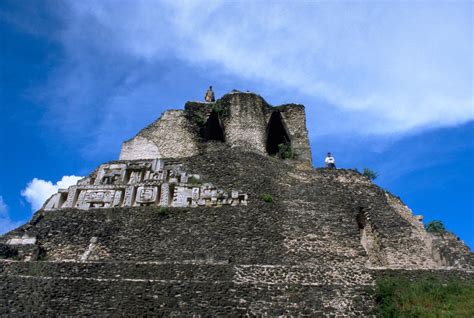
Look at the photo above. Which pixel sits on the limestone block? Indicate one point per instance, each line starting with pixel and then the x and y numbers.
pixel 52 202
pixel 146 195
pixel 71 197
pixel 135 177
pixel 165 195
pixel 24 240
pixel 138 183
pixel 129 196
pixel 96 198
pixel 182 196
pixel 111 174
pixel 139 148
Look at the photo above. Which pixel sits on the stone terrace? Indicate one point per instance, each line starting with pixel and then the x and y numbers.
pixel 314 251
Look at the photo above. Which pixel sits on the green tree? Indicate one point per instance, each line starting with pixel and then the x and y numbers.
pixel 372 175
pixel 435 227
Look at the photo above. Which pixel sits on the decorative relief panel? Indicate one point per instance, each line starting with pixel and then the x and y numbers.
pixel 146 195
pixel 142 183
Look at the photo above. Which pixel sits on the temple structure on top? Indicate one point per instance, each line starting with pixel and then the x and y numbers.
pixel 238 119
pixel 149 171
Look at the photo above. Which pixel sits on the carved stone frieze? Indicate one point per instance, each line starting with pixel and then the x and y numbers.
pixel 142 183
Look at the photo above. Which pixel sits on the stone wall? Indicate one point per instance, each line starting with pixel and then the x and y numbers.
pixel 139 148
pixel 315 251
pixel 246 123
pixel 171 134
pixel 98 289
pixel 295 118
pixel 244 120
pixel 315 218
pixel 160 182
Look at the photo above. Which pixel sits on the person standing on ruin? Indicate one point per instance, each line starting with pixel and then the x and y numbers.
pixel 330 161
pixel 209 97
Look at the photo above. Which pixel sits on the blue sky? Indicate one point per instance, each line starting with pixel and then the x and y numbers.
pixel 386 85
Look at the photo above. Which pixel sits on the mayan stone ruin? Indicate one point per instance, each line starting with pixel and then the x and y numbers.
pixel 177 227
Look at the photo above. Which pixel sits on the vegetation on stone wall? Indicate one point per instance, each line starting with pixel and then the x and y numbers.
pixel 163 211
pixel 425 297
pixel 193 180
pixel 218 107
pixel 372 175
pixel 199 119
pixel 266 198
pixel 285 151
pixel 436 227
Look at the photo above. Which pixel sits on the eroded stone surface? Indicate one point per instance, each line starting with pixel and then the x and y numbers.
pixel 142 183
pixel 107 246
pixel 244 120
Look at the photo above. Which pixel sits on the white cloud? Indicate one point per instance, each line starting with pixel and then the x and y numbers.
pixel 398 66
pixel 3 207
pixel 6 224
pixel 38 191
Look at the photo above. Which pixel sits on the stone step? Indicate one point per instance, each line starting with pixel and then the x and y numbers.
pixel 190 272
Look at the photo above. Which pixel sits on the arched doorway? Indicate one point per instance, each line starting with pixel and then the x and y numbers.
pixel 276 134
pixel 213 129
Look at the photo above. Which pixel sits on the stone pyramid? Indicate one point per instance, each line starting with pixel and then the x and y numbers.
pixel 216 210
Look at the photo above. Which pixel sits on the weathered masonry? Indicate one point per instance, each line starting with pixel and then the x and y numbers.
pixel 142 183
pixel 150 235
pixel 238 119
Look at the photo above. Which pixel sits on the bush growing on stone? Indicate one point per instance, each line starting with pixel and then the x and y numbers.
pixel 285 151
pixel 425 297
pixel 266 198
pixel 436 227
pixel 200 119
pixel 372 175
pixel 217 108
pixel 163 211
pixel 193 180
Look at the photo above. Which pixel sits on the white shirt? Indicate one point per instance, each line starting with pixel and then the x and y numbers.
pixel 330 160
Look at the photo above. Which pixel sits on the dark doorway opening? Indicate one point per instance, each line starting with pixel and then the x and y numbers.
pixel 213 129
pixel 276 134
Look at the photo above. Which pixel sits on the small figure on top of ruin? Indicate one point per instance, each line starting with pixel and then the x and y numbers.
pixel 209 97
pixel 330 161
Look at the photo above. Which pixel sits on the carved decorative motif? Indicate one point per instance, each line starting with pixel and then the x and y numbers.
pixel 141 183
pixel 146 195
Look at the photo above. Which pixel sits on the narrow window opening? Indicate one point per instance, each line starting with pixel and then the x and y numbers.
pixel 213 129
pixel 276 134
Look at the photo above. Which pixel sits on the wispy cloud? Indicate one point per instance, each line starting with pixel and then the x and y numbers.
pixel 393 61
pixel 38 191
pixel 6 224
pixel 380 68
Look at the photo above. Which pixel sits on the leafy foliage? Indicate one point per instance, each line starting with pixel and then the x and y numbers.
pixel 217 107
pixel 266 198
pixel 436 227
pixel 199 119
pixel 372 175
pixel 285 151
pixel 426 297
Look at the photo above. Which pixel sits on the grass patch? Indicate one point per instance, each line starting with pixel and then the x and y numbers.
pixel 266 198
pixel 426 297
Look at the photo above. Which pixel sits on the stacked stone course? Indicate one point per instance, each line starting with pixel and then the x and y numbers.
pixel 316 250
